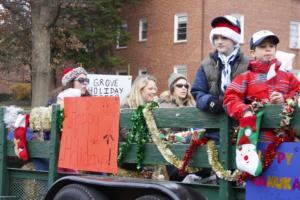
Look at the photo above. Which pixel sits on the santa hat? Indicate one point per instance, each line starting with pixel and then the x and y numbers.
pixel 244 140
pixel 226 26
pixel 71 73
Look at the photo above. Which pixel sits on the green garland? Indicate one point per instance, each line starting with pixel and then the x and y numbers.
pixel 138 133
pixel 141 136
pixel 60 119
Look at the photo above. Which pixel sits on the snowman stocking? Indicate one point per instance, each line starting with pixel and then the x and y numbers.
pixel 20 142
pixel 247 159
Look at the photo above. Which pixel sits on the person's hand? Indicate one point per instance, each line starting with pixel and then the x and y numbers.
pixel 247 114
pixel 71 92
pixel 215 106
pixel 276 98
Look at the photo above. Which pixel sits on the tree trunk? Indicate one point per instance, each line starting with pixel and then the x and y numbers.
pixel 41 13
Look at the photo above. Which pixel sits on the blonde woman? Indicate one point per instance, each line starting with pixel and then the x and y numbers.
pixel 179 93
pixel 143 90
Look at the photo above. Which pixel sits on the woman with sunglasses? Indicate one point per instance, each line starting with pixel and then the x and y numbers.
pixel 74 84
pixel 178 95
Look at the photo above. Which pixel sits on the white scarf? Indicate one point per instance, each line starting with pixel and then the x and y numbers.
pixel 226 60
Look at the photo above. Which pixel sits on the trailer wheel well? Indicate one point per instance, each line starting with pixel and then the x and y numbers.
pixel 152 197
pixel 79 191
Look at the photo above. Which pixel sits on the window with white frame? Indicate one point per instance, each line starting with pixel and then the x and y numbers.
pixel 180 27
pixel 143 71
pixel 295 35
pixel 240 17
pixel 180 69
pixel 121 38
pixel 143 30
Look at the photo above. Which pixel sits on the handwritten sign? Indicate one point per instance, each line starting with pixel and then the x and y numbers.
pixel 90 134
pixel 282 179
pixel 109 85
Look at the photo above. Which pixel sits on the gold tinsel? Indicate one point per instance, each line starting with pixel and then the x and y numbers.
pixel 162 147
pixel 40 118
pixel 212 154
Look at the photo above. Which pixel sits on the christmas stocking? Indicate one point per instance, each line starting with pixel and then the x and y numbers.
pixel 20 142
pixel 247 159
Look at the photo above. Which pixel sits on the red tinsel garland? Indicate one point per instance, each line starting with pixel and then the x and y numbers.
pixel 189 152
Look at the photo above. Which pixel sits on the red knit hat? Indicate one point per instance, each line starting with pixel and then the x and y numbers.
pixel 72 73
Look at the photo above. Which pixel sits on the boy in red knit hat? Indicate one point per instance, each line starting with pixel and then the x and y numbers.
pixel 263 82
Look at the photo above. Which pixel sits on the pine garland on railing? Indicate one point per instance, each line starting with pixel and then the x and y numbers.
pixel 138 133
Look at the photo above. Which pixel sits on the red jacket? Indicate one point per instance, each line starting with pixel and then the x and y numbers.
pixel 253 85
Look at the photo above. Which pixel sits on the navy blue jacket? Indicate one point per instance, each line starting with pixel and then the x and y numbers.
pixel 200 90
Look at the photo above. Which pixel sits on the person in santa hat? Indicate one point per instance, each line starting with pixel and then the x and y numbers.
pixel 219 68
pixel 216 72
pixel 74 84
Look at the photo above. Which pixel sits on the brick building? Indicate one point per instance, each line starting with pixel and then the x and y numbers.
pixel 173 35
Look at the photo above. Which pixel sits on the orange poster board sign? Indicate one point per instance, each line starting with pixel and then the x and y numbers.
pixel 90 134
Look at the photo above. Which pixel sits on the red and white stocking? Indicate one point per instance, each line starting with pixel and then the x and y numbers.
pixel 20 142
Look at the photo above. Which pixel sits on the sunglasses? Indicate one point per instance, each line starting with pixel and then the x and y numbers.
pixel 180 85
pixel 83 80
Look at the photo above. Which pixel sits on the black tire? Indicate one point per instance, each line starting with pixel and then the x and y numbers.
pixel 152 197
pixel 79 192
